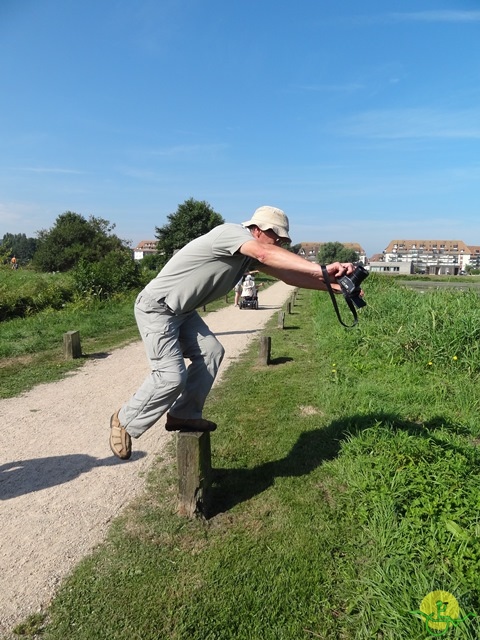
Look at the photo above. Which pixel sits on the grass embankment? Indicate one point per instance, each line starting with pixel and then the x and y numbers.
pixel 31 348
pixel 346 490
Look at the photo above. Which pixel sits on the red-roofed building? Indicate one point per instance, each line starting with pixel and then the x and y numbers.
pixel 144 248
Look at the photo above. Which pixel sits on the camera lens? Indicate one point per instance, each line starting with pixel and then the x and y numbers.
pixel 359 275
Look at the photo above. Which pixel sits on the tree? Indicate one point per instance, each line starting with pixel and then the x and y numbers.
pixel 5 253
pixel 73 238
pixel 21 247
pixel 192 219
pixel 336 251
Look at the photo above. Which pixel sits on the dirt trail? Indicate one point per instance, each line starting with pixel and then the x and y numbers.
pixel 60 486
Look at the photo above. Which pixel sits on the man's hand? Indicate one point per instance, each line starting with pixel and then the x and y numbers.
pixel 337 270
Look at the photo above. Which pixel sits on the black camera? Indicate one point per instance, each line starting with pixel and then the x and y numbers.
pixel 351 285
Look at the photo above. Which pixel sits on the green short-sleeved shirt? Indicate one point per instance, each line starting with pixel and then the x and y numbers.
pixel 203 270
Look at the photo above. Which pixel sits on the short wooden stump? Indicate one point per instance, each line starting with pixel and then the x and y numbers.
pixel 265 350
pixel 194 462
pixel 71 345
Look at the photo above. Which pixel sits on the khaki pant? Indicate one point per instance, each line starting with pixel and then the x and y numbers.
pixel 168 340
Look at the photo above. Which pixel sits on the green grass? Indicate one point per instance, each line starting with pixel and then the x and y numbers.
pixel 31 348
pixel 346 489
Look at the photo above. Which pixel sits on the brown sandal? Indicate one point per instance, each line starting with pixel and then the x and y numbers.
pixel 120 440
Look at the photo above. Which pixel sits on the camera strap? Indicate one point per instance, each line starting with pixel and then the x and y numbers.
pixel 350 304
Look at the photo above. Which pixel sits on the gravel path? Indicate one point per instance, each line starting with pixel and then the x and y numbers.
pixel 60 486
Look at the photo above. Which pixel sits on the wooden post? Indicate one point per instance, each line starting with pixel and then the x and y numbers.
pixel 71 345
pixel 194 473
pixel 289 307
pixel 281 319
pixel 265 347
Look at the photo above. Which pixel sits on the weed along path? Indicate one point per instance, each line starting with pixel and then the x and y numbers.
pixel 60 486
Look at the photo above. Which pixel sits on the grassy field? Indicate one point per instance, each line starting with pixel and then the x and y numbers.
pixel 346 490
pixel 31 348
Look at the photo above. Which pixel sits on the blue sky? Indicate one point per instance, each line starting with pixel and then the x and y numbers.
pixel 360 119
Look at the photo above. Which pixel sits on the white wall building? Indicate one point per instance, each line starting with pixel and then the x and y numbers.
pixel 391 268
pixel 434 257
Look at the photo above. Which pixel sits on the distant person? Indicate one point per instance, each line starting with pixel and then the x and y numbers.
pixel 239 285
pixel 238 292
pixel 172 330
pixel 249 298
pixel 250 287
pixel 14 263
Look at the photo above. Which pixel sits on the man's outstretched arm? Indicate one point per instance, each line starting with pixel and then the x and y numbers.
pixel 293 269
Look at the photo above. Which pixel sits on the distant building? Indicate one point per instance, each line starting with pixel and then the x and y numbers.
pixel 144 248
pixel 391 268
pixel 433 257
pixel 309 250
pixel 474 257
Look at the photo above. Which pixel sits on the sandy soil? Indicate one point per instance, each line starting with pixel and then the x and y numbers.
pixel 60 486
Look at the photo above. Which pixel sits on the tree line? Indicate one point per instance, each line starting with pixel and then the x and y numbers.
pixel 90 244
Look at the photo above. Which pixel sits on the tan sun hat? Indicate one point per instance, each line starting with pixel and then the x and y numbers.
pixel 270 218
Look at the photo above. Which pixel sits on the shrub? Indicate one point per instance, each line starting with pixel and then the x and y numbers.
pixel 116 273
pixel 27 293
pixel 153 262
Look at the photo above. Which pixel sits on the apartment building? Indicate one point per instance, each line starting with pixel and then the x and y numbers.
pixel 434 257
pixel 474 257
